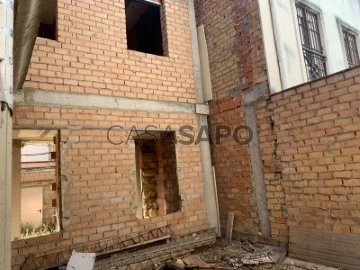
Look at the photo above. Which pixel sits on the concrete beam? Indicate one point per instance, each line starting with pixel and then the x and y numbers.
pixel 257 92
pixel 38 97
pixel 202 109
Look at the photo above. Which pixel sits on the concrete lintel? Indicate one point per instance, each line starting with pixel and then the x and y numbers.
pixel 202 109
pixel 39 97
pixel 258 92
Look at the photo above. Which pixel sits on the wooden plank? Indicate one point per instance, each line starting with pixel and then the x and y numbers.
pixel 166 237
pixel 329 248
pixel 310 250
pixel 318 257
pixel 230 224
pixel 327 244
pixel 205 64
pixel 315 233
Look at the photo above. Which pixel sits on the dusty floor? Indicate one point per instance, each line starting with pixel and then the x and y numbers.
pixel 241 255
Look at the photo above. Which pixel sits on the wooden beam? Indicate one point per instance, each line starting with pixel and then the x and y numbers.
pixel 329 248
pixel 230 224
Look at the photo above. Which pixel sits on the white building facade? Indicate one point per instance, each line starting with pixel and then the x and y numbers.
pixel 309 39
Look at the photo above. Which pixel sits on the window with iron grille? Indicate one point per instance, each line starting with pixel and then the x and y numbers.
pixel 351 48
pixel 315 59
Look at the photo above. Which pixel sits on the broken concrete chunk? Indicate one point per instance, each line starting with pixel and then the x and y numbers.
pixel 257 259
pixel 81 261
pixel 235 262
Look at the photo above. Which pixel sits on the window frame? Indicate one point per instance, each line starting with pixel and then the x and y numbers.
pixel 163 28
pixel 159 138
pixel 56 34
pixel 56 186
pixel 319 52
pixel 344 29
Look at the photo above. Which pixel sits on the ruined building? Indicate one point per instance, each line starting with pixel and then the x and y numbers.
pixel 110 127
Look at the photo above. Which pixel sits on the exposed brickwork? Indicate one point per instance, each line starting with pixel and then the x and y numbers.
pixel 98 179
pixel 310 143
pixel 91 55
pixel 233 175
pixel 308 135
pixel 171 187
pixel 234 39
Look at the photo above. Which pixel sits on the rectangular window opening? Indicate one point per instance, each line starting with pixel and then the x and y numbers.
pixel 157 175
pixel 309 26
pixel 351 47
pixel 35 190
pixel 48 22
pixel 145 26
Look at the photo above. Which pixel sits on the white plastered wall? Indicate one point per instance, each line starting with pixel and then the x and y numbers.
pixel 283 49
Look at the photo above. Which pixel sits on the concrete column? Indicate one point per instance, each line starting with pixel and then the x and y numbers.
pixel 211 199
pixel 6 103
pixel 258 92
pixel 5 189
pixel 212 206
pixel 16 190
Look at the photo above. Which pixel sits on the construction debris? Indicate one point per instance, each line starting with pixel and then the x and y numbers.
pixel 156 256
pixel 196 251
pixel 237 255
pixel 241 255
pixel 102 249
pixel 81 261
pixel 293 264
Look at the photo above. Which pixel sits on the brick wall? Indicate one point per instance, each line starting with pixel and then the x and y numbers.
pixel 237 64
pixel 171 187
pixel 98 179
pixel 308 135
pixel 311 147
pixel 91 56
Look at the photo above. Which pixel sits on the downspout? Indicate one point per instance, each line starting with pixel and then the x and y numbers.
pixel 6 107
pixel 212 207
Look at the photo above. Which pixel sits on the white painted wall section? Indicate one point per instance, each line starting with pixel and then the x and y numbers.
pixel 287 37
pixel 270 46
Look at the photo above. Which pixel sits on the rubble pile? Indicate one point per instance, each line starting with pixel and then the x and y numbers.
pixel 236 255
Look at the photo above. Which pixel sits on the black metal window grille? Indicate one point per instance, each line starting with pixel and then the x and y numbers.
pixel 315 60
pixel 351 48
